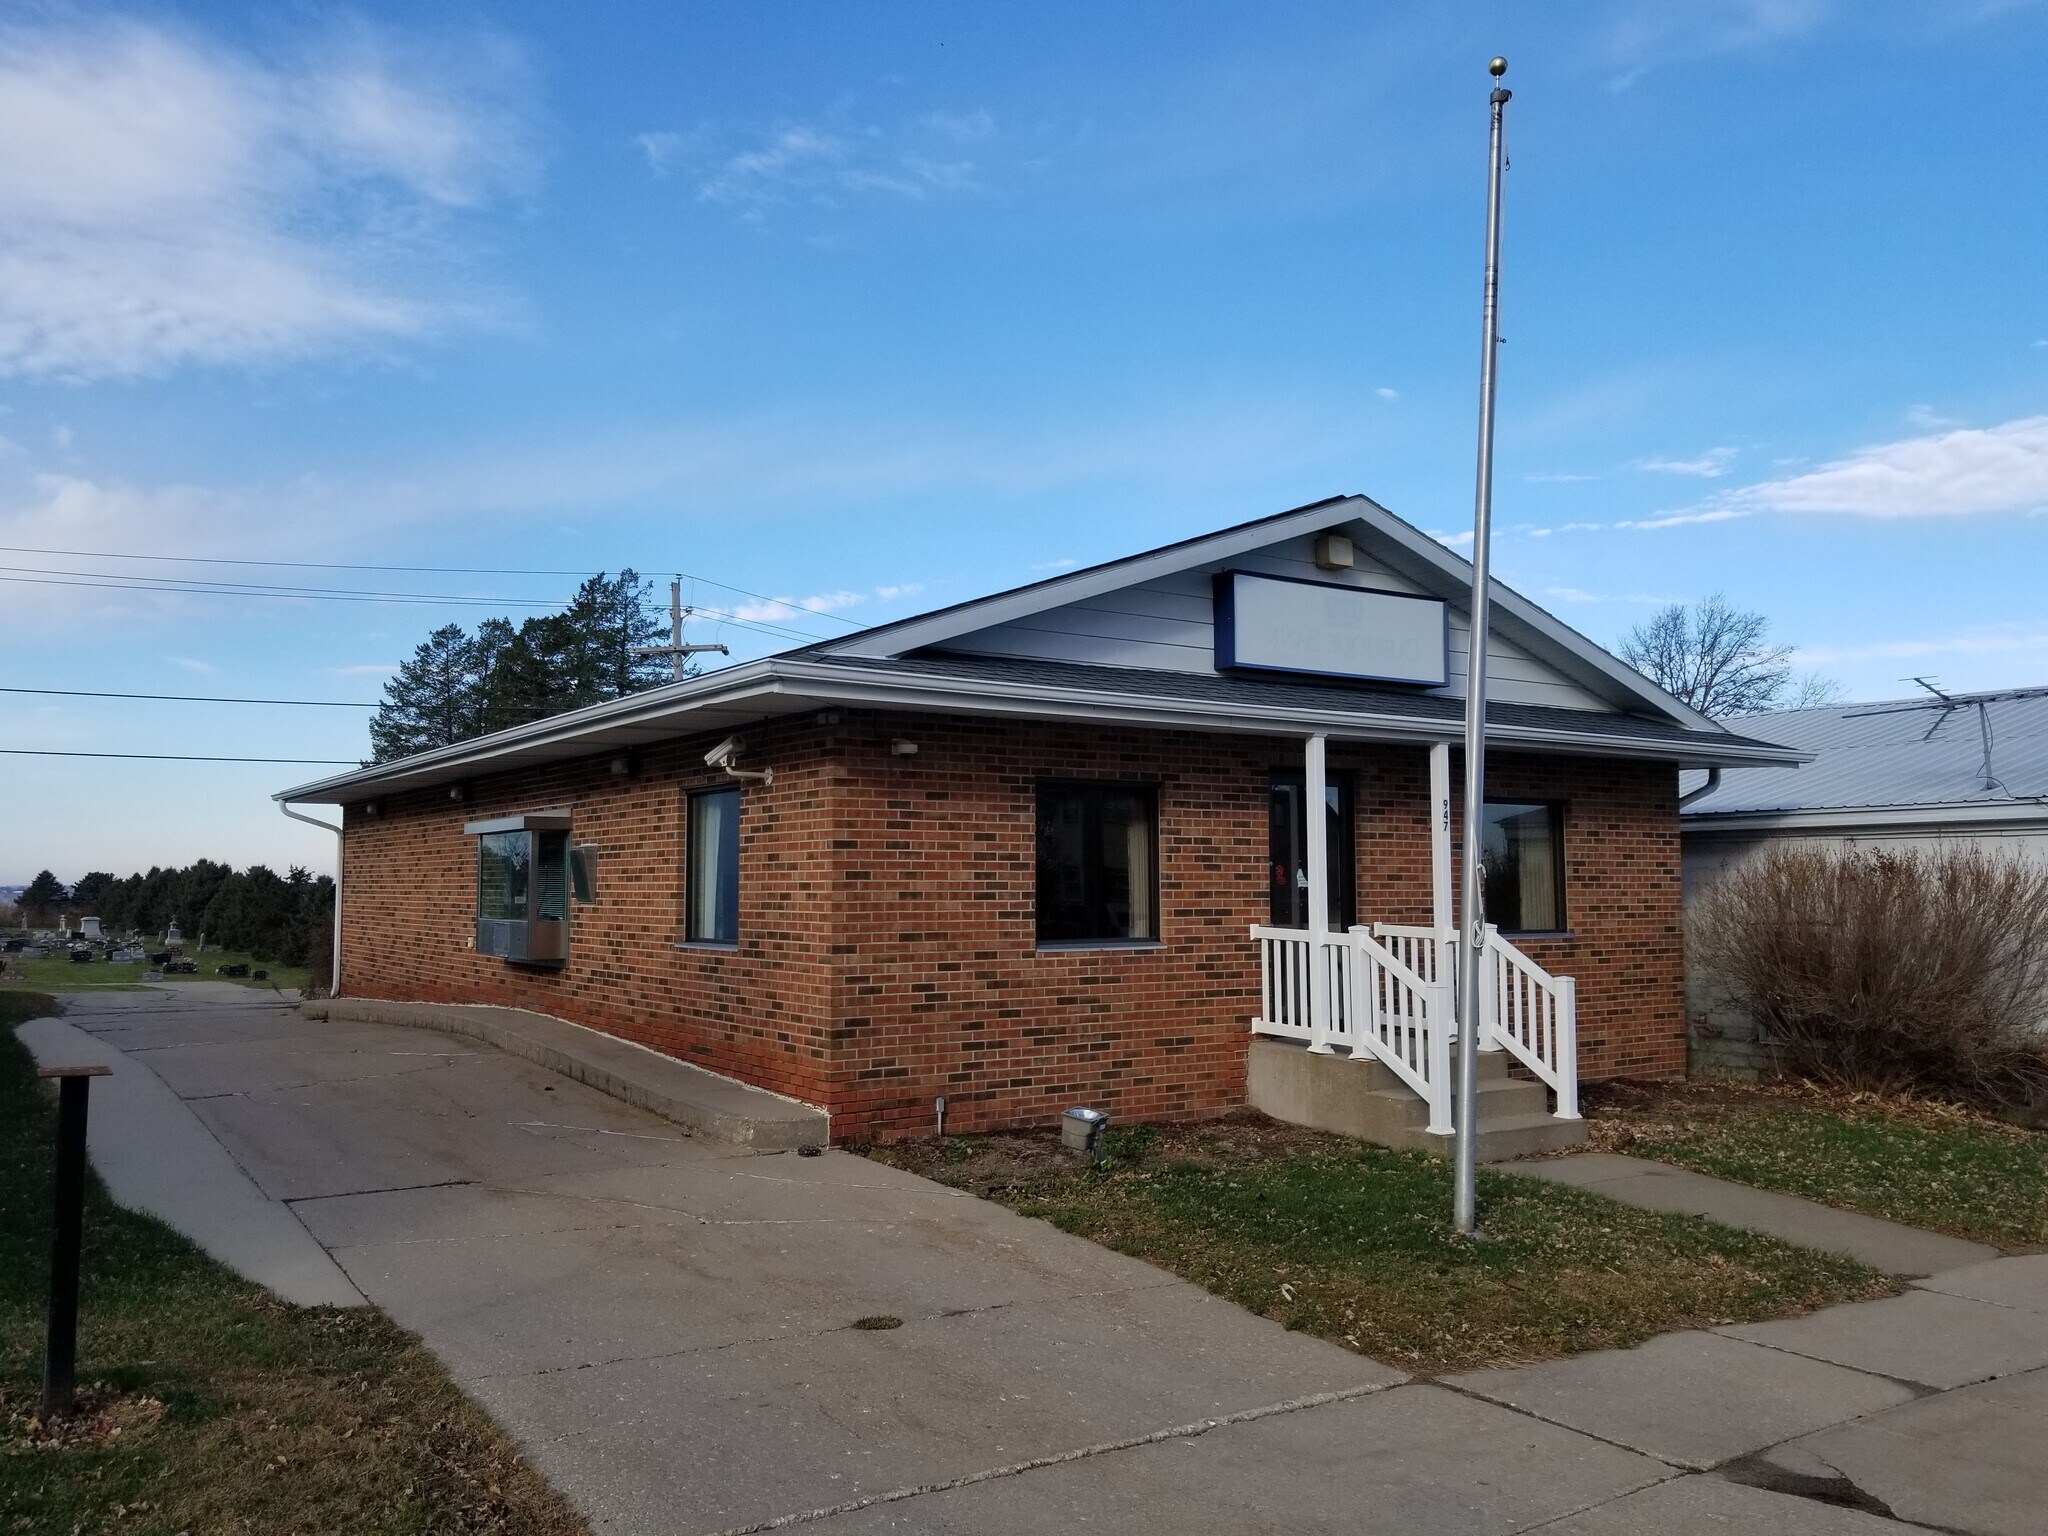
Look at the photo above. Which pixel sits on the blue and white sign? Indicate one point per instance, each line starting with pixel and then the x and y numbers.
pixel 1277 624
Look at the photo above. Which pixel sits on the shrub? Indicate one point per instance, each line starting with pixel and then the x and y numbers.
pixel 1896 972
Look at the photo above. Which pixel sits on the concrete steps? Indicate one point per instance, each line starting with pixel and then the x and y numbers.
pixel 1366 1100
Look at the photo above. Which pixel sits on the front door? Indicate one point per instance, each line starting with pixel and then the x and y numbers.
pixel 1287 855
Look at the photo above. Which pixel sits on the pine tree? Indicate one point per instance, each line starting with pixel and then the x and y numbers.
pixel 44 894
pixel 434 699
pixel 457 686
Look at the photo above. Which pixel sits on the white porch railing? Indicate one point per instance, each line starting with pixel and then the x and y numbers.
pixel 1379 1007
pixel 1523 1009
pixel 1391 991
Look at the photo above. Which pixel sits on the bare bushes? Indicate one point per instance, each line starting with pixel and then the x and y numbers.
pixel 1898 972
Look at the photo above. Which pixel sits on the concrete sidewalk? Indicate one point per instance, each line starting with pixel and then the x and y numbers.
pixel 673 1330
pixel 1883 1245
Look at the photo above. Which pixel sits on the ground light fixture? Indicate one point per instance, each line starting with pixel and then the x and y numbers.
pixel 1471 907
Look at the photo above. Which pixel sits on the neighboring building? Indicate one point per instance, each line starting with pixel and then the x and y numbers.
pixel 1908 773
pixel 1052 847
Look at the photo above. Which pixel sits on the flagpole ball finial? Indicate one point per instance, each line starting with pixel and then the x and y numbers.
pixel 1497 66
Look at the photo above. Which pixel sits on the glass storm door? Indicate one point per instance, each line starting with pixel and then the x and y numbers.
pixel 1287 851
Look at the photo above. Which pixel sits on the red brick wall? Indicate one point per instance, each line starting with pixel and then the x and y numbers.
pixel 760 1012
pixel 887 935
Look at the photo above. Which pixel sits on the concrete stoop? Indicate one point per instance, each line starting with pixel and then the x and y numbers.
pixel 717 1108
pixel 1366 1100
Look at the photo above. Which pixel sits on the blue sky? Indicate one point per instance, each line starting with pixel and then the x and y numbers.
pixel 882 307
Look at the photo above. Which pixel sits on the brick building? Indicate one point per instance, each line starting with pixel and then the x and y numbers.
pixel 1053 846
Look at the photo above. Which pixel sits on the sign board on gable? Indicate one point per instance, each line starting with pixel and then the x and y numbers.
pixel 1279 624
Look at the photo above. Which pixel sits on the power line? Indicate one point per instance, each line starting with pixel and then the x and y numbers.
pixel 346 595
pixel 173 757
pixel 190 698
pixel 427 570
pixel 269 589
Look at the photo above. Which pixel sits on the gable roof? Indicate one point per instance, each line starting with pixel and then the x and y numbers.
pixel 894 666
pixel 1906 757
pixel 1405 548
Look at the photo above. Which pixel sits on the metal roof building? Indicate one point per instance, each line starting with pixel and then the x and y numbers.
pixel 1901 773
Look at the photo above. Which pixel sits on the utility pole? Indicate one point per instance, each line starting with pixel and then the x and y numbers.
pixel 1471 906
pixel 675 650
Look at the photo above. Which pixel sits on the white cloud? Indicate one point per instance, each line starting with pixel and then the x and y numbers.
pixel 192 664
pixel 783 609
pixel 363 669
pixel 825 163
pixel 1928 419
pixel 1976 642
pixel 165 200
pixel 1557 479
pixel 1454 540
pixel 1572 595
pixel 961 127
pixel 1971 470
pixel 1638 35
pixel 1056 565
pixel 905 589
pixel 1388 394
pixel 1710 465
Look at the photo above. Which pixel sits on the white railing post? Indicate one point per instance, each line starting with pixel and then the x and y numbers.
pixel 1443 1011
pixel 1567 1048
pixel 1491 985
pixel 1314 792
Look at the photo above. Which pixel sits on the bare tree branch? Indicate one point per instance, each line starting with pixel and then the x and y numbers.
pixel 1712 656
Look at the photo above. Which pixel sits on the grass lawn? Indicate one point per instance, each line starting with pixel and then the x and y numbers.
pixel 206 1405
pixel 1353 1242
pixel 1927 1165
pixel 57 972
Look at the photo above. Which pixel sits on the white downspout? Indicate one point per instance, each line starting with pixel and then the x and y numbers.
pixel 334 972
pixel 1315 777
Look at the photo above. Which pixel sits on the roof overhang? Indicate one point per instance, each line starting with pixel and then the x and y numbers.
pixel 1955 816
pixel 791 685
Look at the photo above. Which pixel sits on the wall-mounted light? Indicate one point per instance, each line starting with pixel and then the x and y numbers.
pixel 372 807
pixel 622 767
pixel 902 748
pixel 458 792
pixel 1334 552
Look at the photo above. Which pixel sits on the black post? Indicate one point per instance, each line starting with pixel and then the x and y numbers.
pixel 60 1355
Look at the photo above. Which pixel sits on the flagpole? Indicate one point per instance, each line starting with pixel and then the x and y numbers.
pixel 1471 908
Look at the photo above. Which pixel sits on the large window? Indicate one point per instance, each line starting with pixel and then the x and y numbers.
pixel 1098 855
pixel 1287 851
pixel 714 868
pixel 1521 859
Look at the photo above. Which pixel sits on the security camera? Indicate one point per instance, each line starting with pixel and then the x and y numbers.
pixel 721 757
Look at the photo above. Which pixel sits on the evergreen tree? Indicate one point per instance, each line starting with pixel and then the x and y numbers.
pixel 43 896
pixel 434 699
pixel 457 686
pixel 91 891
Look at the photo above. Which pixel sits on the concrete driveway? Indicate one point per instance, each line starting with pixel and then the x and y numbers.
pixel 674 1329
